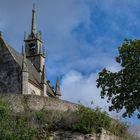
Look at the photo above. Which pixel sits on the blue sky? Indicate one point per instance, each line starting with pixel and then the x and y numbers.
pixel 81 37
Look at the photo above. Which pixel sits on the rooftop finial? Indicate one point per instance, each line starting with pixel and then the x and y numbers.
pixel 24 65
pixel 44 75
pixel 57 88
pixel 33 27
pixel 25 36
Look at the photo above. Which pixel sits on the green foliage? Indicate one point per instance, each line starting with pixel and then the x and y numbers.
pixel 4 110
pixel 42 117
pixel 122 88
pixel 54 119
pixel 36 125
pixel 91 120
pixel 14 127
pixel 47 121
pixel 119 128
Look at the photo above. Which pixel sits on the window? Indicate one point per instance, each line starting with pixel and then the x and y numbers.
pixel 32 48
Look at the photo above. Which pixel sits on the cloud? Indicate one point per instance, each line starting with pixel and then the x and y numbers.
pixel 78 87
pixel 81 35
pixel 86 36
pixel 81 38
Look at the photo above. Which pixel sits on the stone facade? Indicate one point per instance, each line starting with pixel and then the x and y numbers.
pixel 33 90
pixel 10 72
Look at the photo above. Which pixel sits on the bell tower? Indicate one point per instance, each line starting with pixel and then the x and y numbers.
pixel 33 45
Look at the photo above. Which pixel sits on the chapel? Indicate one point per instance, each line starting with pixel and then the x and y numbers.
pixel 25 72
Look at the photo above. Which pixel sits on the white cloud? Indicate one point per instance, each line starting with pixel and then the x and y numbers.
pixel 69 54
pixel 77 87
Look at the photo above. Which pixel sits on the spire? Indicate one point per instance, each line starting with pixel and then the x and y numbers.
pixel 57 88
pixel 23 50
pixel 24 65
pixel 33 27
pixel 25 35
pixel 43 75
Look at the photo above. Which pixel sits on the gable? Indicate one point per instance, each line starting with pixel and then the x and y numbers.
pixel 10 72
pixel 33 74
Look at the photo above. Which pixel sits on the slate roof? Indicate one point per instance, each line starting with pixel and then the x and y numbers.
pixel 33 74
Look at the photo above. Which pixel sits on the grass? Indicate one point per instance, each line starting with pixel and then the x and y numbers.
pixel 34 125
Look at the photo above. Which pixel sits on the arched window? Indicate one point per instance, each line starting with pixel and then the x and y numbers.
pixel 32 48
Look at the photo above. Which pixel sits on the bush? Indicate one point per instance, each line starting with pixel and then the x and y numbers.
pixel 36 125
pixel 5 110
pixel 14 126
pixel 118 128
pixel 41 117
pixel 91 120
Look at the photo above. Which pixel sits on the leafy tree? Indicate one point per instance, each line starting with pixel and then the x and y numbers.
pixel 122 88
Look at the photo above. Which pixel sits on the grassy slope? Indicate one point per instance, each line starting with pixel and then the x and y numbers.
pixel 37 124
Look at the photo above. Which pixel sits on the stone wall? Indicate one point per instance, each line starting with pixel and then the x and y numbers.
pixel 20 103
pixel 68 135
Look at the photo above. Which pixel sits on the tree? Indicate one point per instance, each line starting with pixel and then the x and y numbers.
pixel 122 88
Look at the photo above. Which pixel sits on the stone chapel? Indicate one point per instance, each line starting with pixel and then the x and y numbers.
pixel 24 73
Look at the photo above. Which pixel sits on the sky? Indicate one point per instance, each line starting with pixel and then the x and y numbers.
pixel 81 38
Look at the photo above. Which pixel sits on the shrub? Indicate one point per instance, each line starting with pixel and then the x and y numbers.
pixel 41 117
pixel 4 110
pixel 91 120
pixel 54 119
pixel 14 126
pixel 118 128
pixel 35 125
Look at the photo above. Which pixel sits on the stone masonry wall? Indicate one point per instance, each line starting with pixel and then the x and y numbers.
pixel 33 102
pixel 20 103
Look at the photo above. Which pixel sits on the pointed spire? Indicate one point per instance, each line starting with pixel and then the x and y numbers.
pixel 22 51
pixel 24 65
pixel 43 75
pixel 57 88
pixel 33 27
pixel 25 35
